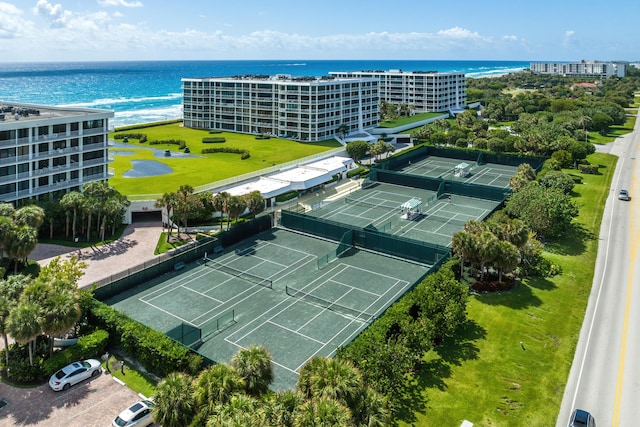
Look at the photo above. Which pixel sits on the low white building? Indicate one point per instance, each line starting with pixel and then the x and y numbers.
pixel 299 108
pixel 51 150
pixel 425 91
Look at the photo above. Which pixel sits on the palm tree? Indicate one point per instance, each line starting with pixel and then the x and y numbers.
pixel 23 242
pixel 6 305
pixel 463 244
pixel 168 202
pixel 173 402
pixel 372 410
pixel 254 365
pixel 10 291
pixel 61 310
pixel 6 227
pixel 279 408
pixel 240 411
pixel 255 202
pixel 322 412
pixel 215 385
pixel 331 378
pixel 74 201
pixel 23 325
pixel 220 203
pixel 30 215
pixel 235 207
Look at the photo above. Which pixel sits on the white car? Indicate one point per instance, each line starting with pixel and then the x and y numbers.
pixel 74 373
pixel 138 414
pixel 624 195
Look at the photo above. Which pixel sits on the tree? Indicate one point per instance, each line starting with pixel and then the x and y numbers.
pixel 254 365
pixel 220 203
pixel 23 241
pixel 168 202
pixel 236 205
pixel 557 179
pixel 10 290
pixel 67 271
pixel 255 203
pixel 240 411
pixel 343 130
pixel 60 311
pixel 357 149
pixel 322 412
pixel 579 150
pixel 30 215
pixel 213 386
pixel 330 378
pixel 508 258
pixel 463 244
pixel 173 402
pixel 546 211
pixel 23 325
pixel 74 201
pixel 279 407
pixel 187 204
pixel 524 175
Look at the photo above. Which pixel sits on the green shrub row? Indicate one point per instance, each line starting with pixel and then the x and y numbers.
pixel 141 137
pixel 158 353
pixel 286 196
pixel 263 137
pixel 588 168
pixel 361 171
pixel 244 153
pixel 215 131
pixel 179 142
pixel 88 346
pixel 213 139
pixel 147 125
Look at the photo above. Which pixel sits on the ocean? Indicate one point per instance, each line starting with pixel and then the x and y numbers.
pixel 146 91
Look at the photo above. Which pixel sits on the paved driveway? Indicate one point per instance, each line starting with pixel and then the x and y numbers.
pixel 94 402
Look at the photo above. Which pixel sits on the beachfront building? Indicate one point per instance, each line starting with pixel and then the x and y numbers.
pixel 300 108
pixel 590 69
pixel 50 150
pixel 425 91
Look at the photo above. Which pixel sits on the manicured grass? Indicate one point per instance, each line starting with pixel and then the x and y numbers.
pixel 135 380
pixel 614 132
pixel 486 376
pixel 400 121
pixel 209 167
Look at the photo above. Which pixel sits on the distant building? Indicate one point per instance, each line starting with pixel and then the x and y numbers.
pixel 595 69
pixel 425 91
pixel 300 108
pixel 50 150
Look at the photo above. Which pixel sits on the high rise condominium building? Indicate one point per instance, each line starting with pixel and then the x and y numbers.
pixel 300 108
pixel 50 150
pixel 595 69
pixel 425 91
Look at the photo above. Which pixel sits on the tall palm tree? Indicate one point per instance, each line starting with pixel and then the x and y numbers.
pixel 168 202
pixel 463 244
pixel 235 207
pixel 23 241
pixel 322 412
pixel 30 215
pixel 173 402
pixel 73 200
pixel 6 227
pixel 255 202
pixel 255 367
pixel 220 203
pixel 215 385
pixel 60 311
pixel 6 305
pixel 23 325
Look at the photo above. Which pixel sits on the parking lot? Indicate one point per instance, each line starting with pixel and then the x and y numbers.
pixel 94 402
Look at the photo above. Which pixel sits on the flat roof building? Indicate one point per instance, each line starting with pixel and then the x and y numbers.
pixel 50 150
pixel 426 91
pixel 591 69
pixel 300 108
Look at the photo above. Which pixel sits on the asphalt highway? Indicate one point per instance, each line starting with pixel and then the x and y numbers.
pixel 605 374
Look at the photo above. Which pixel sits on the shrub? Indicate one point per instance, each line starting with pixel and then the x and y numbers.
pixel 263 136
pixel 286 196
pixel 213 139
pixel 89 346
pixel 141 137
pixel 245 155
pixel 158 353
pixel 358 171
pixel 179 142
pixel 588 169
pixel 215 131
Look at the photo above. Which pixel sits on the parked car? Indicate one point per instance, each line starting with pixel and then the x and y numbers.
pixel 74 373
pixel 624 195
pixel 138 415
pixel 581 418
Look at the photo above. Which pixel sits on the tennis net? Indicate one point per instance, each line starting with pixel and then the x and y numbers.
pixel 267 283
pixel 351 312
pixel 451 220
pixel 350 201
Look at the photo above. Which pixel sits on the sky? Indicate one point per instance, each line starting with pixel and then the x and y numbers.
pixel 107 30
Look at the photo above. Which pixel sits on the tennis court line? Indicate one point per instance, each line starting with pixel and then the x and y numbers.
pixel 354 287
pixel 294 331
pixel 191 278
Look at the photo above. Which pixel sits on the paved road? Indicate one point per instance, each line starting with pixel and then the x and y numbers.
pixel 605 375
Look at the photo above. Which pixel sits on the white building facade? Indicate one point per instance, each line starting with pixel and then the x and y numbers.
pixel 300 108
pixel 51 150
pixel 426 91
pixel 594 69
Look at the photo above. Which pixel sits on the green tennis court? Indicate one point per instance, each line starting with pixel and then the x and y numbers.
pixel 269 290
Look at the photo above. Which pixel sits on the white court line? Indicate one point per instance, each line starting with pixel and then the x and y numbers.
pixel 294 332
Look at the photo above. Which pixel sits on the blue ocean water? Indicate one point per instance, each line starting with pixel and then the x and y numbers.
pixel 145 91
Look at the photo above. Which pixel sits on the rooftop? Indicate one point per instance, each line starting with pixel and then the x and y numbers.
pixel 11 112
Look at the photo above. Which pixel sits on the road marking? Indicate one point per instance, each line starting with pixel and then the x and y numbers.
pixel 633 253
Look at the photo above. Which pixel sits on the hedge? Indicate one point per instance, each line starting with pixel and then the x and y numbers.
pixel 263 136
pixel 87 347
pixel 179 142
pixel 158 353
pixel 141 137
pixel 147 125
pixel 286 196
pixel 362 171
pixel 244 153
pixel 213 139
pixel 588 169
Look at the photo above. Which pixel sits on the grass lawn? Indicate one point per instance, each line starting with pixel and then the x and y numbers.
pixel 411 119
pixel 134 379
pixel 614 132
pixel 486 376
pixel 209 167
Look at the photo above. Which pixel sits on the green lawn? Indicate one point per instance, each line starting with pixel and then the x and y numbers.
pixel 209 167
pixel 400 121
pixel 486 376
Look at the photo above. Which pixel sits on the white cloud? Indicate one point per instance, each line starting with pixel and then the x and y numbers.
pixel 124 3
pixel 11 21
pixel 58 17
pixel 569 39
